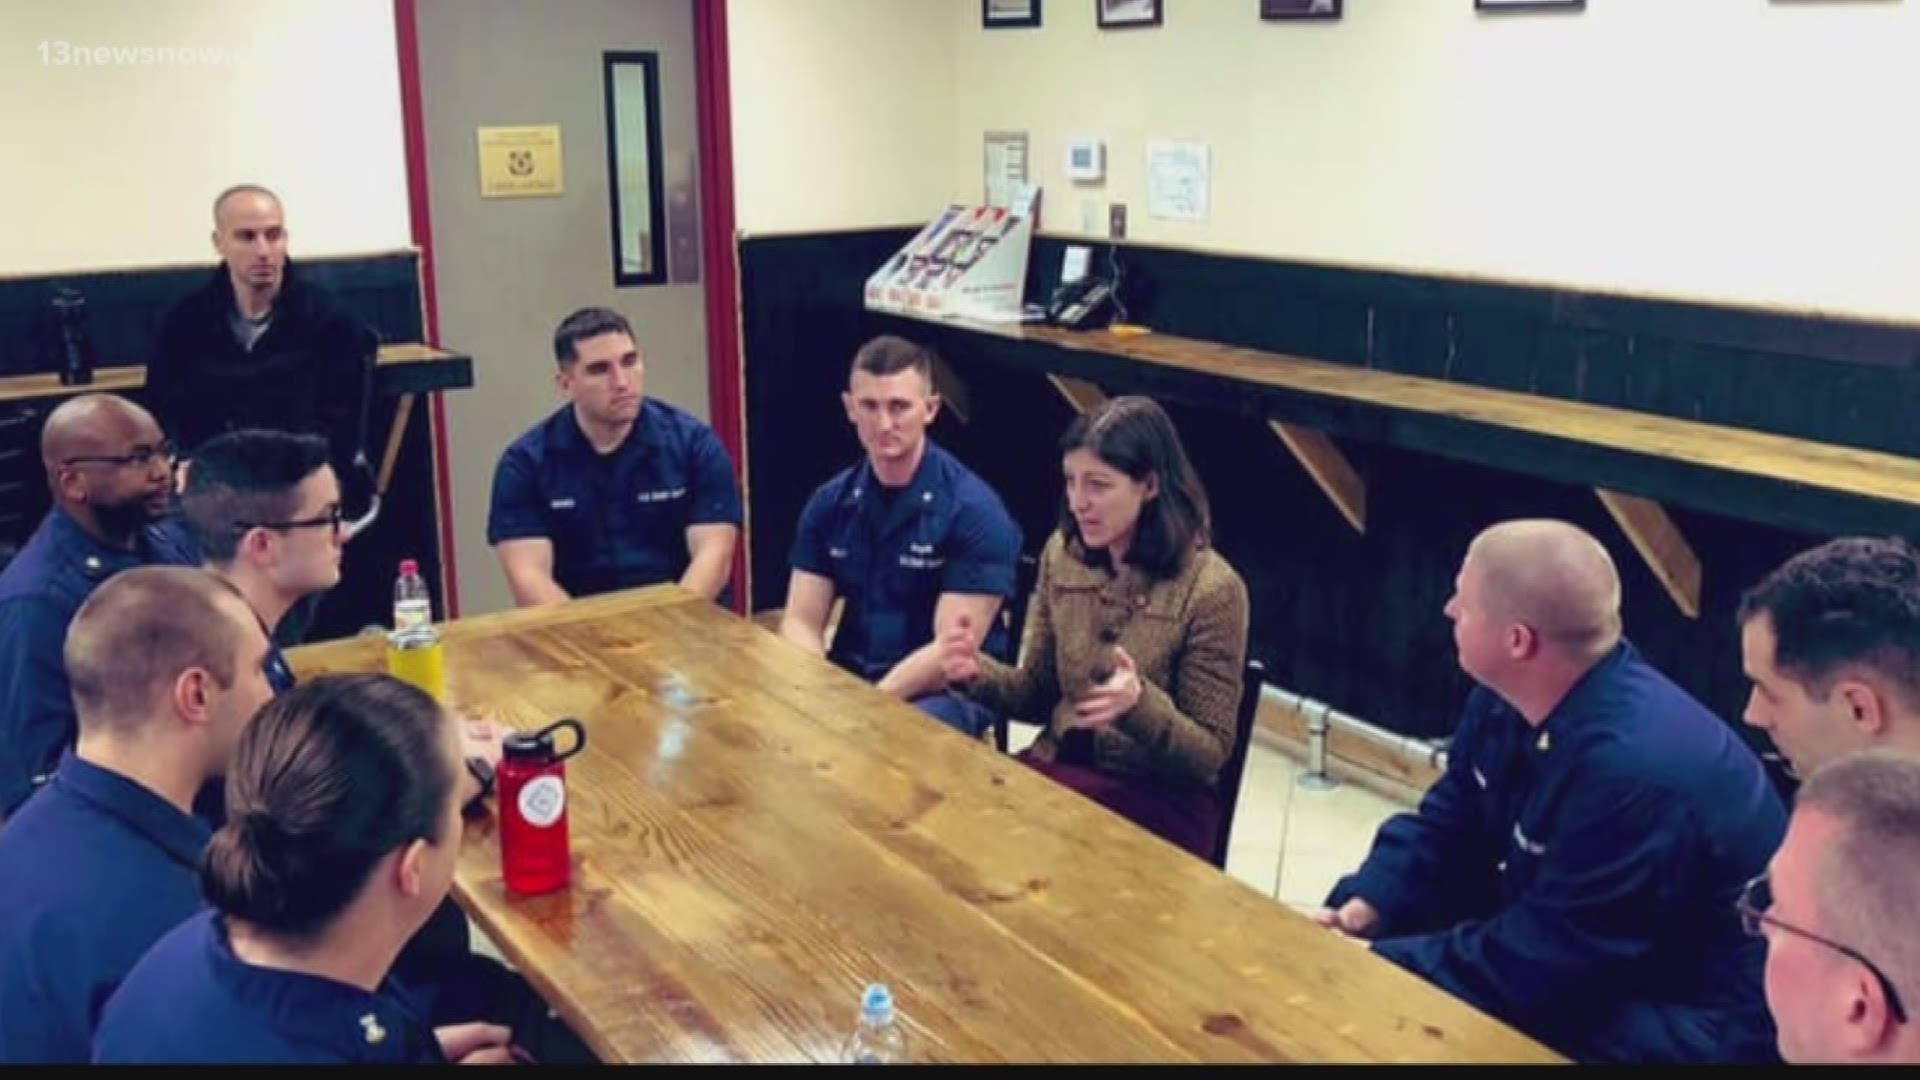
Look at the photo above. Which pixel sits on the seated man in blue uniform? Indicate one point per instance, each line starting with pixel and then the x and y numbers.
pixel 264 508
pixel 1574 870
pixel 110 473
pixel 615 490
pixel 1831 643
pixel 915 543
pixel 166 667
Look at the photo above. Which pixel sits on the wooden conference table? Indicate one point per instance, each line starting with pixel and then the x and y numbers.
pixel 757 835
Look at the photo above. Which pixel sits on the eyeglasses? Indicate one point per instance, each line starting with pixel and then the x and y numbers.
pixel 330 518
pixel 1755 901
pixel 139 456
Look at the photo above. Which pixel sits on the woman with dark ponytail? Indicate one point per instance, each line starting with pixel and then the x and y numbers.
pixel 342 834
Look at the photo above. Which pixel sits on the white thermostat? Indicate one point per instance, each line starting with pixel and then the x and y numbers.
pixel 1086 159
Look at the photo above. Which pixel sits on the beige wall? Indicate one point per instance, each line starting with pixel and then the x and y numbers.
pixel 114 159
pixel 842 111
pixel 1742 150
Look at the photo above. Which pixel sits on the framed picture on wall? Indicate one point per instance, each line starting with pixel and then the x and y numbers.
pixel 1127 14
pixel 1005 14
pixel 1299 9
pixel 1528 5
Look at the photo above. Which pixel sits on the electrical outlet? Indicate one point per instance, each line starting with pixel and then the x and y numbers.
pixel 1117 221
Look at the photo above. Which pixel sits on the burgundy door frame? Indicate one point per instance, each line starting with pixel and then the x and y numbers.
pixel 420 222
pixel 719 257
pixel 726 391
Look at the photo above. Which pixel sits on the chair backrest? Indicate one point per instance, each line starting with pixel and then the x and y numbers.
pixel 1013 613
pixel 359 485
pixel 1013 620
pixel 367 345
pixel 1252 680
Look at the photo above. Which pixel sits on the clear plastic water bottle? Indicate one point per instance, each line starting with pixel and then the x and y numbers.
pixel 412 607
pixel 414 654
pixel 878 1040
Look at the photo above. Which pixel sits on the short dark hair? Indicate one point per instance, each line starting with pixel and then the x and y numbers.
pixel 1134 435
pixel 583 325
pixel 328 779
pixel 141 630
pixel 889 354
pixel 1851 601
pixel 245 476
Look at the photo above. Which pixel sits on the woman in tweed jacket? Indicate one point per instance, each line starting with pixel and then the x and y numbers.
pixel 1136 635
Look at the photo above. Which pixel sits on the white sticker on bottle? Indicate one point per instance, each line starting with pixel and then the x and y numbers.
pixel 543 800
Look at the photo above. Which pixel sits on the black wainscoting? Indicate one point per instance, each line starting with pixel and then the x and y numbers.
pixel 125 307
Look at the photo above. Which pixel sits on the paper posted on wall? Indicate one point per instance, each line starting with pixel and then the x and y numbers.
pixel 1006 165
pixel 1177 179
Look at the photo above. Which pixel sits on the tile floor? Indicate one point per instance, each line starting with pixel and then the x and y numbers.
pixel 1291 842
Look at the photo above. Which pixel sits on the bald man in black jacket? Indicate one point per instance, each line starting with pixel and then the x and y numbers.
pixel 257 346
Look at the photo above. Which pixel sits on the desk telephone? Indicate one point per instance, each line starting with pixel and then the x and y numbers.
pixel 1077 303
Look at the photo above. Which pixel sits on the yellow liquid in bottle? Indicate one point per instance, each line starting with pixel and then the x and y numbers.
pixel 424 666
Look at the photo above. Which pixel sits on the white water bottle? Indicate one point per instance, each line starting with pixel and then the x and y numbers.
pixel 878 1040
pixel 412 607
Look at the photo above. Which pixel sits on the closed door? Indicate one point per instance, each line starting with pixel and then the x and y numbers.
pixel 617 78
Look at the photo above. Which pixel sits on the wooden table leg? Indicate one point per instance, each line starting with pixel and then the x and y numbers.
pixel 395 435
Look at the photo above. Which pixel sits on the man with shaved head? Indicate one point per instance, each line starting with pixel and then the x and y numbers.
pixel 167 666
pixel 260 346
pixel 109 470
pixel 1575 869
pixel 257 346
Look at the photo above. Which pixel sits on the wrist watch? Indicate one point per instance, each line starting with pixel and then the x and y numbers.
pixel 483 773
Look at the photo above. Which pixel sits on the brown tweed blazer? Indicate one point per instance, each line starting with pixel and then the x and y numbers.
pixel 1187 635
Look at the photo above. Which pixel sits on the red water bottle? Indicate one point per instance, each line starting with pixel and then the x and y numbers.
pixel 532 778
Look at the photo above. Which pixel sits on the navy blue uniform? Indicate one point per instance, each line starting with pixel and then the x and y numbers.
pixel 98 869
pixel 280 674
pixel 1578 879
pixel 617 520
pixel 891 555
pixel 191 1001
pixel 40 591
